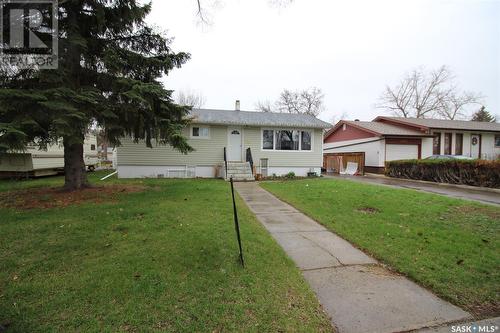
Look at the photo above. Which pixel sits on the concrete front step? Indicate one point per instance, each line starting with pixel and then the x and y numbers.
pixel 240 171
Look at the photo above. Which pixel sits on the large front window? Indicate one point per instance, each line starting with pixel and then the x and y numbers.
pixel 286 140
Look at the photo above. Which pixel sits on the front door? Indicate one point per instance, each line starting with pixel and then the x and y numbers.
pixel 234 144
pixel 475 145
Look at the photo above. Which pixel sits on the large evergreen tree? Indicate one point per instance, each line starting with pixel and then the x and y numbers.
pixel 483 115
pixel 110 63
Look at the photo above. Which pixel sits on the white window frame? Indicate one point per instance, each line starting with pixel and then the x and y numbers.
pixel 311 130
pixel 191 136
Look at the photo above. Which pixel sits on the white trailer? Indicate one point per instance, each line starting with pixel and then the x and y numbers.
pixel 34 162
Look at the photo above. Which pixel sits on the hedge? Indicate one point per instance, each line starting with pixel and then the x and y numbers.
pixel 466 172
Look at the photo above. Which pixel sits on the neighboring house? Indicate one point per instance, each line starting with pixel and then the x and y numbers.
pixel 278 142
pixel 35 162
pixel 394 138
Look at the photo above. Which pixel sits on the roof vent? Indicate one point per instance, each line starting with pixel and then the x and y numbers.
pixel 237 105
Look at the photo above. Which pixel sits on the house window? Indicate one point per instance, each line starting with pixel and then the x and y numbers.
pixel 199 132
pixel 447 143
pixel 92 147
pixel 305 140
pixel 436 144
pixel 286 140
pixel 459 143
pixel 497 141
pixel 267 139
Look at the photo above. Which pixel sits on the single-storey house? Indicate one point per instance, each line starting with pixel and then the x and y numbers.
pixel 394 138
pixel 275 143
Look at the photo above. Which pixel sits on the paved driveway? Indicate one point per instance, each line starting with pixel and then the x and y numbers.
pixel 485 196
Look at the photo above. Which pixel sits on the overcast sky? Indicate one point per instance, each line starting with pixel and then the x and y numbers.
pixel 349 49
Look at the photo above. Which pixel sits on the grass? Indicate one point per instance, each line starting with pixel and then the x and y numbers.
pixel 449 245
pixel 164 259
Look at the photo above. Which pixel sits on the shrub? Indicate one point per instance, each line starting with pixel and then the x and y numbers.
pixel 466 172
pixel 289 176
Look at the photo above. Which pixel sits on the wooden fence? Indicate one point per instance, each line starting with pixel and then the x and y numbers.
pixel 332 161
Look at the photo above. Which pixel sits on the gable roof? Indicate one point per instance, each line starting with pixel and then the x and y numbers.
pixel 443 124
pixel 378 128
pixel 254 118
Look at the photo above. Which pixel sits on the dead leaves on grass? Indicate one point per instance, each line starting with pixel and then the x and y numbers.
pixel 55 197
pixel 368 210
pixel 473 210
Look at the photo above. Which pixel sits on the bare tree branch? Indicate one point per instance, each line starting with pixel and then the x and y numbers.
pixel 264 106
pixel 308 101
pixel 190 98
pixel 204 7
pixel 312 101
pixel 288 102
pixel 454 107
pixel 424 94
pixel 204 10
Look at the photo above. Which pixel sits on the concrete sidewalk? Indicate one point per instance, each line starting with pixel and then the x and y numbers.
pixel 358 293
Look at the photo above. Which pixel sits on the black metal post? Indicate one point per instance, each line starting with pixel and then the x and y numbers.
pixel 236 224
pixel 225 162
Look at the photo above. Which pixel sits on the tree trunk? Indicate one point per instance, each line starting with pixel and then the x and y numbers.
pixel 75 175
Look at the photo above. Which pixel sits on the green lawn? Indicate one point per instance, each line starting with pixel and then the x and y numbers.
pixel 161 259
pixel 448 245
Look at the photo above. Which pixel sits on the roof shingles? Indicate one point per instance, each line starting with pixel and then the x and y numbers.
pixel 386 129
pixel 249 118
pixel 446 124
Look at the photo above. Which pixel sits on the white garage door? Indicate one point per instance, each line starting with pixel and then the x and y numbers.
pixel 401 152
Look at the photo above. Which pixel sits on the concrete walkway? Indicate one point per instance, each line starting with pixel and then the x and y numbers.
pixel 484 195
pixel 358 294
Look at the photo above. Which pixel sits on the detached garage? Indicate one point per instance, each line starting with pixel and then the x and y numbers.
pixel 378 141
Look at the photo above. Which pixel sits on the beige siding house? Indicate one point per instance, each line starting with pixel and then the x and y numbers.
pixel 277 142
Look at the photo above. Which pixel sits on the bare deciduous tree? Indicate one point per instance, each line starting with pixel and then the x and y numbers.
pixel 455 105
pixel 289 101
pixel 264 106
pixel 308 101
pixel 190 98
pixel 424 94
pixel 312 101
